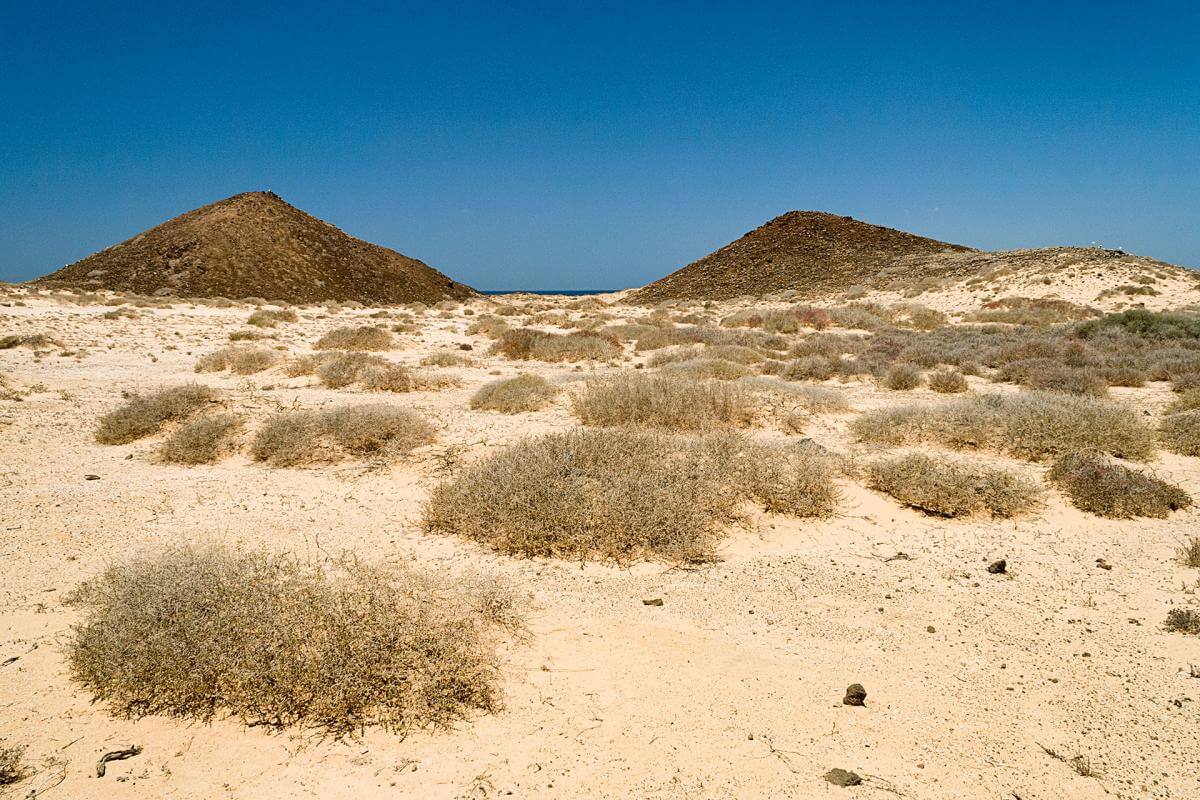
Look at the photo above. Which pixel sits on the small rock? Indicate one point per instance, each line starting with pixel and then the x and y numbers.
pixel 931 629
pixel 465 347
pixel 998 567
pixel 91 477
pixel 655 601
pixel 841 777
pixel 856 695
pixel 1102 564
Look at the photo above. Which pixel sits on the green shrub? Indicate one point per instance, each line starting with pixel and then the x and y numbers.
pixel 143 415
pixel 276 641
pixel 953 488
pixel 514 395
pixel 1144 323
pixel 1097 485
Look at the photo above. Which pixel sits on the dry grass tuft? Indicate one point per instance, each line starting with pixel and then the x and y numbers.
pixel 514 395
pixel 663 401
pixel 947 381
pixel 531 344
pixel 364 338
pixel 266 318
pixel 1189 552
pixel 204 440
pixel 1180 433
pixel 1030 425
pixel 1107 489
pixel 621 494
pixel 953 488
pixel 276 641
pixel 238 360
pixel 143 415
pixel 376 431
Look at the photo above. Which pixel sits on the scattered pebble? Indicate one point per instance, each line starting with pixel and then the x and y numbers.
pixel 841 777
pixel 998 567
pixel 856 695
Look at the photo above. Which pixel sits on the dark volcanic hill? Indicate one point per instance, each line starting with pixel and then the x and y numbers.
pixel 256 245
pixel 810 252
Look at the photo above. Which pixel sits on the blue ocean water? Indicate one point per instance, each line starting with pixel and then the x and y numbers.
pixel 570 292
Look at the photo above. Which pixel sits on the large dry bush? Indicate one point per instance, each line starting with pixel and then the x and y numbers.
pixel 947 381
pixel 532 344
pixel 1095 483
pixel 663 401
pixel 271 640
pixel 1031 425
pixel 620 494
pixel 1180 433
pixel 203 440
pixel 953 488
pixel 366 337
pixel 371 371
pixel 710 368
pixel 238 360
pixel 142 415
pixel 514 395
pixel 902 377
pixel 376 431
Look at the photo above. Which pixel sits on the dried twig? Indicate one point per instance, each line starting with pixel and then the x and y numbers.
pixel 116 755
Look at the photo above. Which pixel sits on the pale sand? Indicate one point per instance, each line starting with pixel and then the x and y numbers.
pixel 731 689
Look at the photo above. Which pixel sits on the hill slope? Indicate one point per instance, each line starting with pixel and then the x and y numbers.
pixel 810 252
pixel 256 245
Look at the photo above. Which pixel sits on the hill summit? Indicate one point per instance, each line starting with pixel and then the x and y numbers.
pixel 810 252
pixel 256 245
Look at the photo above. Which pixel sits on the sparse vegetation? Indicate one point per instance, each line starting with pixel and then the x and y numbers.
pixel 1189 552
pixel 12 764
pixel 953 488
pixel 663 401
pixel 902 377
pixel 1030 425
pixel 203 440
pixel 514 395
pixel 710 368
pixel 376 431
pixel 1097 485
pixel 621 494
pixel 371 371
pixel 366 337
pixel 1183 620
pixel 142 415
pixel 267 318
pixel 273 640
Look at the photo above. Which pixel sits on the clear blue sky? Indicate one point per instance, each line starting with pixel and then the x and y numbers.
pixel 596 145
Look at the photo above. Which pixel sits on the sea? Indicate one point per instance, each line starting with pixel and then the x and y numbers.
pixel 569 292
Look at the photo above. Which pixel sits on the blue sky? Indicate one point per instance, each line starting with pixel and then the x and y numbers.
pixel 597 145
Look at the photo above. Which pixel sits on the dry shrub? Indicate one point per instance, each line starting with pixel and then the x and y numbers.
pixel 736 353
pixel 12 764
pixel 902 377
pixel 1146 324
pixel 308 364
pixel 1033 311
pixel 373 372
pixel 514 395
pixel 1098 485
pixel 1189 552
pixel 34 340
pixel 488 325
pixel 1188 400
pixel 266 318
pixel 238 360
pixel 204 440
pixel 1183 620
pixel 620 494
pixel 806 368
pixel 366 337
pixel 710 368
pixel 1067 380
pixel 447 358
pixel 1180 433
pixel 663 401
pixel 532 344
pixel 271 640
pixel 1030 425
pixel 953 488
pixel 142 415
pixel 249 336
pixel 947 381
pixel 376 431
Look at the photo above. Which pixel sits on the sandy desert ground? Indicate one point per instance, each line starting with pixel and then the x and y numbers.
pixel 732 687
